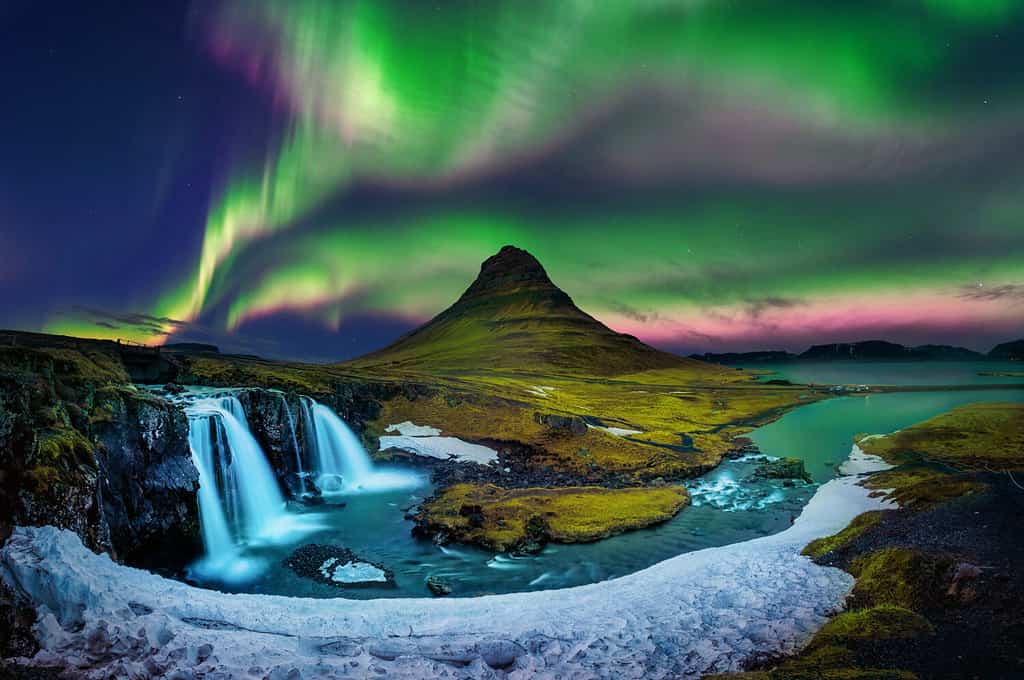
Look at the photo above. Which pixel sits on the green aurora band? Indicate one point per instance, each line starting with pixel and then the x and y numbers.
pixel 763 169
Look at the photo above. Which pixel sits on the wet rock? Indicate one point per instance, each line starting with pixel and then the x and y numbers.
pixel 538 533
pixel 339 567
pixel 438 586
pixel 782 468
pixel 474 513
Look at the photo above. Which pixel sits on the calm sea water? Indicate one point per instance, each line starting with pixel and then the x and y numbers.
pixel 726 508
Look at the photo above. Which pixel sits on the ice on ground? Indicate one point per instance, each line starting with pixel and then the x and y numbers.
pixel 443 448
pixel 617 431
pixel 411 429
pixel 701 612
pixel 860 463
pixel 352 572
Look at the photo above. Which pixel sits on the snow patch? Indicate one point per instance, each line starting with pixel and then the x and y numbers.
pixel 702 612
pixel 411 429
pixel 541 390
pixel 860 463
pixel 617 431
pixel 351 572
pixel 443 448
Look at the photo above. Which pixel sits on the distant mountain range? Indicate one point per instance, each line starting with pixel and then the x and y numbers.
pixel 870 350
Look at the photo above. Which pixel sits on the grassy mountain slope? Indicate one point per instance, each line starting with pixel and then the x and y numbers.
pixel 514 319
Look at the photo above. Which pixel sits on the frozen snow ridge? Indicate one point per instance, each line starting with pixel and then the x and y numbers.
pixel 423 440
pixel 701 612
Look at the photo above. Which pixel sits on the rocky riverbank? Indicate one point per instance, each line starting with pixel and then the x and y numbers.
pixel 939 583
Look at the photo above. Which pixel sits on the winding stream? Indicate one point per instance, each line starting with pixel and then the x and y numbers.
pixel 726 509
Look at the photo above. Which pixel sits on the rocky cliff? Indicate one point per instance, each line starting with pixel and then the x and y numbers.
pixel 81 448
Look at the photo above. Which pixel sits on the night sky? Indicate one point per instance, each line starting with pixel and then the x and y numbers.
pixel 310 179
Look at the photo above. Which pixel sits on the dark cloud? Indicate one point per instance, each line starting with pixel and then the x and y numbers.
pixel 632 312
pixel 182 331
pixel 758 306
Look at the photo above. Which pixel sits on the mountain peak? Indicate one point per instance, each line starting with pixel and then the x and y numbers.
pixel 510 267
pixel 512 317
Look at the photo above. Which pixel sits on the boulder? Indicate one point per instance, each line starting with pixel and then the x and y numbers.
pixel 563 425
pixel 782 468
pixel 438 586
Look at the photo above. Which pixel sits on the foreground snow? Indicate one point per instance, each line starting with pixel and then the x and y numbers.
pixel 699 612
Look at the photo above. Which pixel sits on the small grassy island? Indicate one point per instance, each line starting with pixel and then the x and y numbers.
pixel 938 582
pixel 524 519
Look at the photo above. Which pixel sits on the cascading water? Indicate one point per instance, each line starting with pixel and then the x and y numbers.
pixel 340 463
pixel 240 503
pixel 300 473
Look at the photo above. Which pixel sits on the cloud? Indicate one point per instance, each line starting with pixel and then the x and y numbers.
pixel 756 307
pixel 633 313
pixel 1010 292
pixel 181 331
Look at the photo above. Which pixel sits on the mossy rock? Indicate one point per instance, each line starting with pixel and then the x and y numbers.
pixel 970 437
pixel 920 486
pixel 513 519
pixel 883 622
pixel 858 526
pixel 899 577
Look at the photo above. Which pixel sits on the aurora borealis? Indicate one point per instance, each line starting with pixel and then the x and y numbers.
pixel 704 174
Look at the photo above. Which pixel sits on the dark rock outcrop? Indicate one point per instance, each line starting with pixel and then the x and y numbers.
pixel 319 562
pixel 82 449
pixel 563 425
pixel 782 468
pixel 438 586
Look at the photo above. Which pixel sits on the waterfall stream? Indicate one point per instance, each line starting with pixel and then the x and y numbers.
pixel 340 464
pixel 340 461
pixel 241 505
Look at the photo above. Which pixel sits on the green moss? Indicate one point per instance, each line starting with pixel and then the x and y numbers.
pixel 95 367
pixel 970 437
pixel 41 478
pixel 858 526
pixel 882 622
pixel 902 577
pixel 501 519
pixel 230 371
pixel 62 446
pixel 921 486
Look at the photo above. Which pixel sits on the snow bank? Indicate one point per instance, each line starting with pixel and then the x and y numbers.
pixel 411 429
pixel 860 463
pixel 422 440
pixel 696 613
pixel 617 431
pixel 440 447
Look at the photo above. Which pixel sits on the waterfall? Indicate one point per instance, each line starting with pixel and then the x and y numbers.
pixel 339 461
pixel 247 494
pixel 295 444
pixel 217 540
